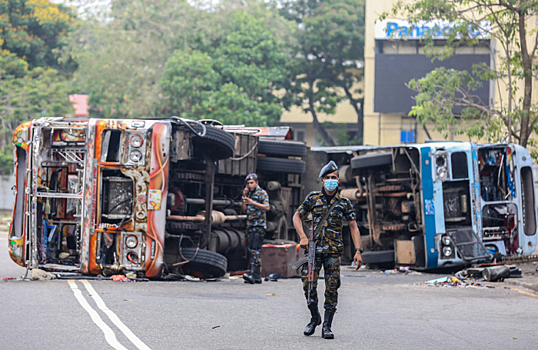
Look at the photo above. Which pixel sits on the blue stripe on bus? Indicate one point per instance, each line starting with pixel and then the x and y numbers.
pixel 429 220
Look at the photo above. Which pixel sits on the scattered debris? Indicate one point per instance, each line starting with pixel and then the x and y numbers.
pixel 5 279
pixel 215 327
pixel 490 273
pixel 273 277
pixel 120 278
pixel 40 275
pixel 451 282
pixel 402 269
pixel 271 295
pixel 192 279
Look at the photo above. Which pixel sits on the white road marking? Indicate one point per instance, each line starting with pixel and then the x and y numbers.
pixel 109 333
pixel 114 318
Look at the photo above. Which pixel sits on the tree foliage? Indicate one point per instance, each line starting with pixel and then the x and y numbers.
pixel 35 30
pixel 504 22
pixel 233 82
pixel 330 38
pixel 32 77
pixel 27 94
pixel 123 60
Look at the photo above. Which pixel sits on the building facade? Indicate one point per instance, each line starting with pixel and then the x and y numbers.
pixel 394 54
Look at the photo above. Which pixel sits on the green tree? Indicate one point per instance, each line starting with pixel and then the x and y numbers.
pixel 513 70
pixel 342 22
pixel 27 94
pixel 234 81
pixel 35 30
pixel 122 58
pixel 330 35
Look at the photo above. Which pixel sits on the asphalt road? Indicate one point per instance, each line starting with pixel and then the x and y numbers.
pixel 375 311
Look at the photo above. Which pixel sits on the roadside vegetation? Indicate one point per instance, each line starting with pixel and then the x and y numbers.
pixel 513 71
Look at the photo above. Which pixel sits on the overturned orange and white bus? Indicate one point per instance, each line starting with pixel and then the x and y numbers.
pixel 102 196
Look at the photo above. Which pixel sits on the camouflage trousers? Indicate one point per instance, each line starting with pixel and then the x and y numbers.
pixel 331 267
pixel 255 237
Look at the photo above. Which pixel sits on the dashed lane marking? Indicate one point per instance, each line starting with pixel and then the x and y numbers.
pixel 114 318
pixel 109 333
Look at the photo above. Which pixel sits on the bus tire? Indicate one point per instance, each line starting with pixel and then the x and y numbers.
pixel 282 148
pixel 279 165
pixel 371 160
pixel 216 143
pixel 202 263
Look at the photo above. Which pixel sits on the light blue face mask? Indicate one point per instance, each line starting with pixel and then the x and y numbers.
pixel 330 184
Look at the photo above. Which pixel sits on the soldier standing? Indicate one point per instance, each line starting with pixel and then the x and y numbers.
pixel 329 246
pixel 255 204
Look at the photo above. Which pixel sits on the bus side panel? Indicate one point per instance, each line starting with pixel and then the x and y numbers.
pixel 88 229
pixel 429 208
pixel 158 190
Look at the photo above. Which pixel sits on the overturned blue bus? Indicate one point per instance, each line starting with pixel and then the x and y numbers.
pixel 437 205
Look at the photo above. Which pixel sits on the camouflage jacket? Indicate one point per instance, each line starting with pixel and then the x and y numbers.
pixel 257 217
pixel 329 239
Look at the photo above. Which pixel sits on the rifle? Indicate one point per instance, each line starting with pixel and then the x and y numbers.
pixel 311 258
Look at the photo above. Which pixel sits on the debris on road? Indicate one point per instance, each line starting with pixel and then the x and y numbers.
pixel 120 278
pixel 273 277
pixel 452 282
pixel 490 273
pixel 401 270
pixel 40 275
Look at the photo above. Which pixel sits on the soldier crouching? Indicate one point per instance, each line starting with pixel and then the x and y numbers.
pixel 328 243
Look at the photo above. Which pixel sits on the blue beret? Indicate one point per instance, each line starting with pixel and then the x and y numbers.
pixel 251 177
pixel 327 169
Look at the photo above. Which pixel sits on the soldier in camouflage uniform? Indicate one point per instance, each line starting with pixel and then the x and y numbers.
pixel 255 204
pixel 329 245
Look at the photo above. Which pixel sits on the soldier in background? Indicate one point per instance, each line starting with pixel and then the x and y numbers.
pixel 255 205
pixel 329 244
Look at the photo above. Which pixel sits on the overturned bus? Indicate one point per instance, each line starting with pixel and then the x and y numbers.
pixel 151 197
pixel 438 205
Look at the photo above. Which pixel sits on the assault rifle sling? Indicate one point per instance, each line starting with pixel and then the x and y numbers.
pixel 304 260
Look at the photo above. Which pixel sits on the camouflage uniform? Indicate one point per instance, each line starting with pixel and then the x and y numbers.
pixel 329 245
pixel 256 224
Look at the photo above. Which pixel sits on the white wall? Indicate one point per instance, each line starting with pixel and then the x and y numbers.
pixel 7 199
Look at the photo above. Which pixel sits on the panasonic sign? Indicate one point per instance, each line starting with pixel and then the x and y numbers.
pixel 400 29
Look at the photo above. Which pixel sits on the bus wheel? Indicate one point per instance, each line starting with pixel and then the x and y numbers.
pixel 202 263
pixel 279 165
pixel 371 160
pixel 282 148
pixel 216 143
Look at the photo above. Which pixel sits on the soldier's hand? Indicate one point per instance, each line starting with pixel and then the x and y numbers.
pixel 248 200
pixel 245 191
pixel 357 260
pixel 304 243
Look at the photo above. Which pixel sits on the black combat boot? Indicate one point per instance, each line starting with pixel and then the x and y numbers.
pixel 257 275
pixel 314 321
pixel 326 332
pixel 249 276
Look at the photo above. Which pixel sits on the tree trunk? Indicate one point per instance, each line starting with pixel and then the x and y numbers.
pixel 527 92
pixel 359 110
pixel 317 125
pixel 355 103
